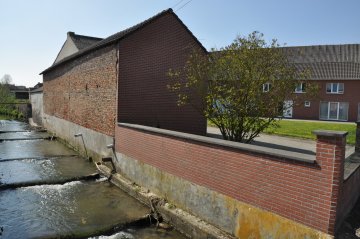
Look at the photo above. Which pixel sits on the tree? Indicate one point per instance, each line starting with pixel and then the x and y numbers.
pixel 5 95
pixel 243 85
pixel 6 79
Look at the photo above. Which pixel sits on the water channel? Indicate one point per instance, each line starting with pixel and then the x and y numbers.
pixel 47 191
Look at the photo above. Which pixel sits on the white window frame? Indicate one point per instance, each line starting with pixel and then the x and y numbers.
pixel 332 91
pixel 337 111
pixel 358 118
pixel 307 104
pixel 266 87
pixel 300 88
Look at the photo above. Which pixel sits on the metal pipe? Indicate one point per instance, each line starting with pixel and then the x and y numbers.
pixel 82 138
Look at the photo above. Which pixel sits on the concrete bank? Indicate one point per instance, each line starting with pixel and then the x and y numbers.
pixel 87 142
pixel 186 223
pixel 96 145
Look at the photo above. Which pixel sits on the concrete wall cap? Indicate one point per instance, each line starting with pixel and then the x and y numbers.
pixel 278 153
pixel 330 133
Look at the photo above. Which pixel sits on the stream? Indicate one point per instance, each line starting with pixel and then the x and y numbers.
pixel 47 191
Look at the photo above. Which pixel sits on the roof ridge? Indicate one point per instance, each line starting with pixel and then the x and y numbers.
pixel 338 45
pixel 134 27
pixel 111 39
pixel 83 36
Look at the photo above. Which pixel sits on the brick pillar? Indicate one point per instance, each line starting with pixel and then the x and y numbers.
pixel 330 155
pixel 357 141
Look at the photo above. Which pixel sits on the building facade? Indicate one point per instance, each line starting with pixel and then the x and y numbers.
pixel 336 70
pixel 95 83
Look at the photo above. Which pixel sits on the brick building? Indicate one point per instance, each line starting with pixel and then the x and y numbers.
pixel 95 82
pixel 113 91
pixel 336 68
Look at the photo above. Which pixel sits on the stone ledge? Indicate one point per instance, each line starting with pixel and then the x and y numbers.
pixel 330 133
pixel 278 153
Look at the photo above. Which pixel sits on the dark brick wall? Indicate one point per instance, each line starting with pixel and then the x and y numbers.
pixel 145 58
pixel 83 91
pixel 350 95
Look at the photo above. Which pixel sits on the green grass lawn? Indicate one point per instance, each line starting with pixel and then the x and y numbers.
pixel 303 129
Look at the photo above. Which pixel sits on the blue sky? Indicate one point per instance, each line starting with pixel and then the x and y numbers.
pixel 33 31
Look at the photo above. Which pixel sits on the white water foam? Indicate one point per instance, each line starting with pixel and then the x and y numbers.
pixel 101 179
pixel 57 187
pixel 119 235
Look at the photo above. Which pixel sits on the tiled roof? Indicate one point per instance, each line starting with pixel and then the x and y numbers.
pixel 327 62
pixel 332 70
pixel 82 42
pixel 118 36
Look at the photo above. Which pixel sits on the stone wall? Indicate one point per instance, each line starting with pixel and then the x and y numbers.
pixel 84 90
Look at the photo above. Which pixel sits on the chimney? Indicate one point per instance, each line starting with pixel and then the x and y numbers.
pixel 70 34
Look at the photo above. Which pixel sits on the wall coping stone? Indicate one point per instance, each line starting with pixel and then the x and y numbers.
pixel 330 133
pixel 279 153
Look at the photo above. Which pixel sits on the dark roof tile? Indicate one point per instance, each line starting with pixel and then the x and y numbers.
pixel 327 62
pixel 82 42
pixel 118 36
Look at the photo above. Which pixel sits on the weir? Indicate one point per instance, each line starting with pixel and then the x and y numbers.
pixel 47 191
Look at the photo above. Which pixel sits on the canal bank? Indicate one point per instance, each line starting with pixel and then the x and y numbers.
pixel 145 156
pixel 95 145
pixel 47 191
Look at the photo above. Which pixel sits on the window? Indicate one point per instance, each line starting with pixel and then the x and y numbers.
pixel 307 104
pixel 334 110
pixel 300 88
pixel 335 88
pixel 359 112
pixel 266 87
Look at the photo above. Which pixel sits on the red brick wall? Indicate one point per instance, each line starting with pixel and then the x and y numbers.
pixel 83 91
pixel 303 192
pixel 330 153
pixel 350 95
pixel 145 58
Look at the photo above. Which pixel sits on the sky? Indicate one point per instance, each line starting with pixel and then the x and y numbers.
pixel 33 31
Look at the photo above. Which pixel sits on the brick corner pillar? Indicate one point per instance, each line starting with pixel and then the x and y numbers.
pixel 357 141
pixel 330 155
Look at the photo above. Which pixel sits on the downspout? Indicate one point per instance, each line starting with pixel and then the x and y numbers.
pixel 117 70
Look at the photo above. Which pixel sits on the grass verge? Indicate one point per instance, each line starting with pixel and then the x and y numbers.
pixel 303 129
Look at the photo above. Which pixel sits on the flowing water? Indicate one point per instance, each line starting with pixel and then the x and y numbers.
pixel 41 196
pixel 44 170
